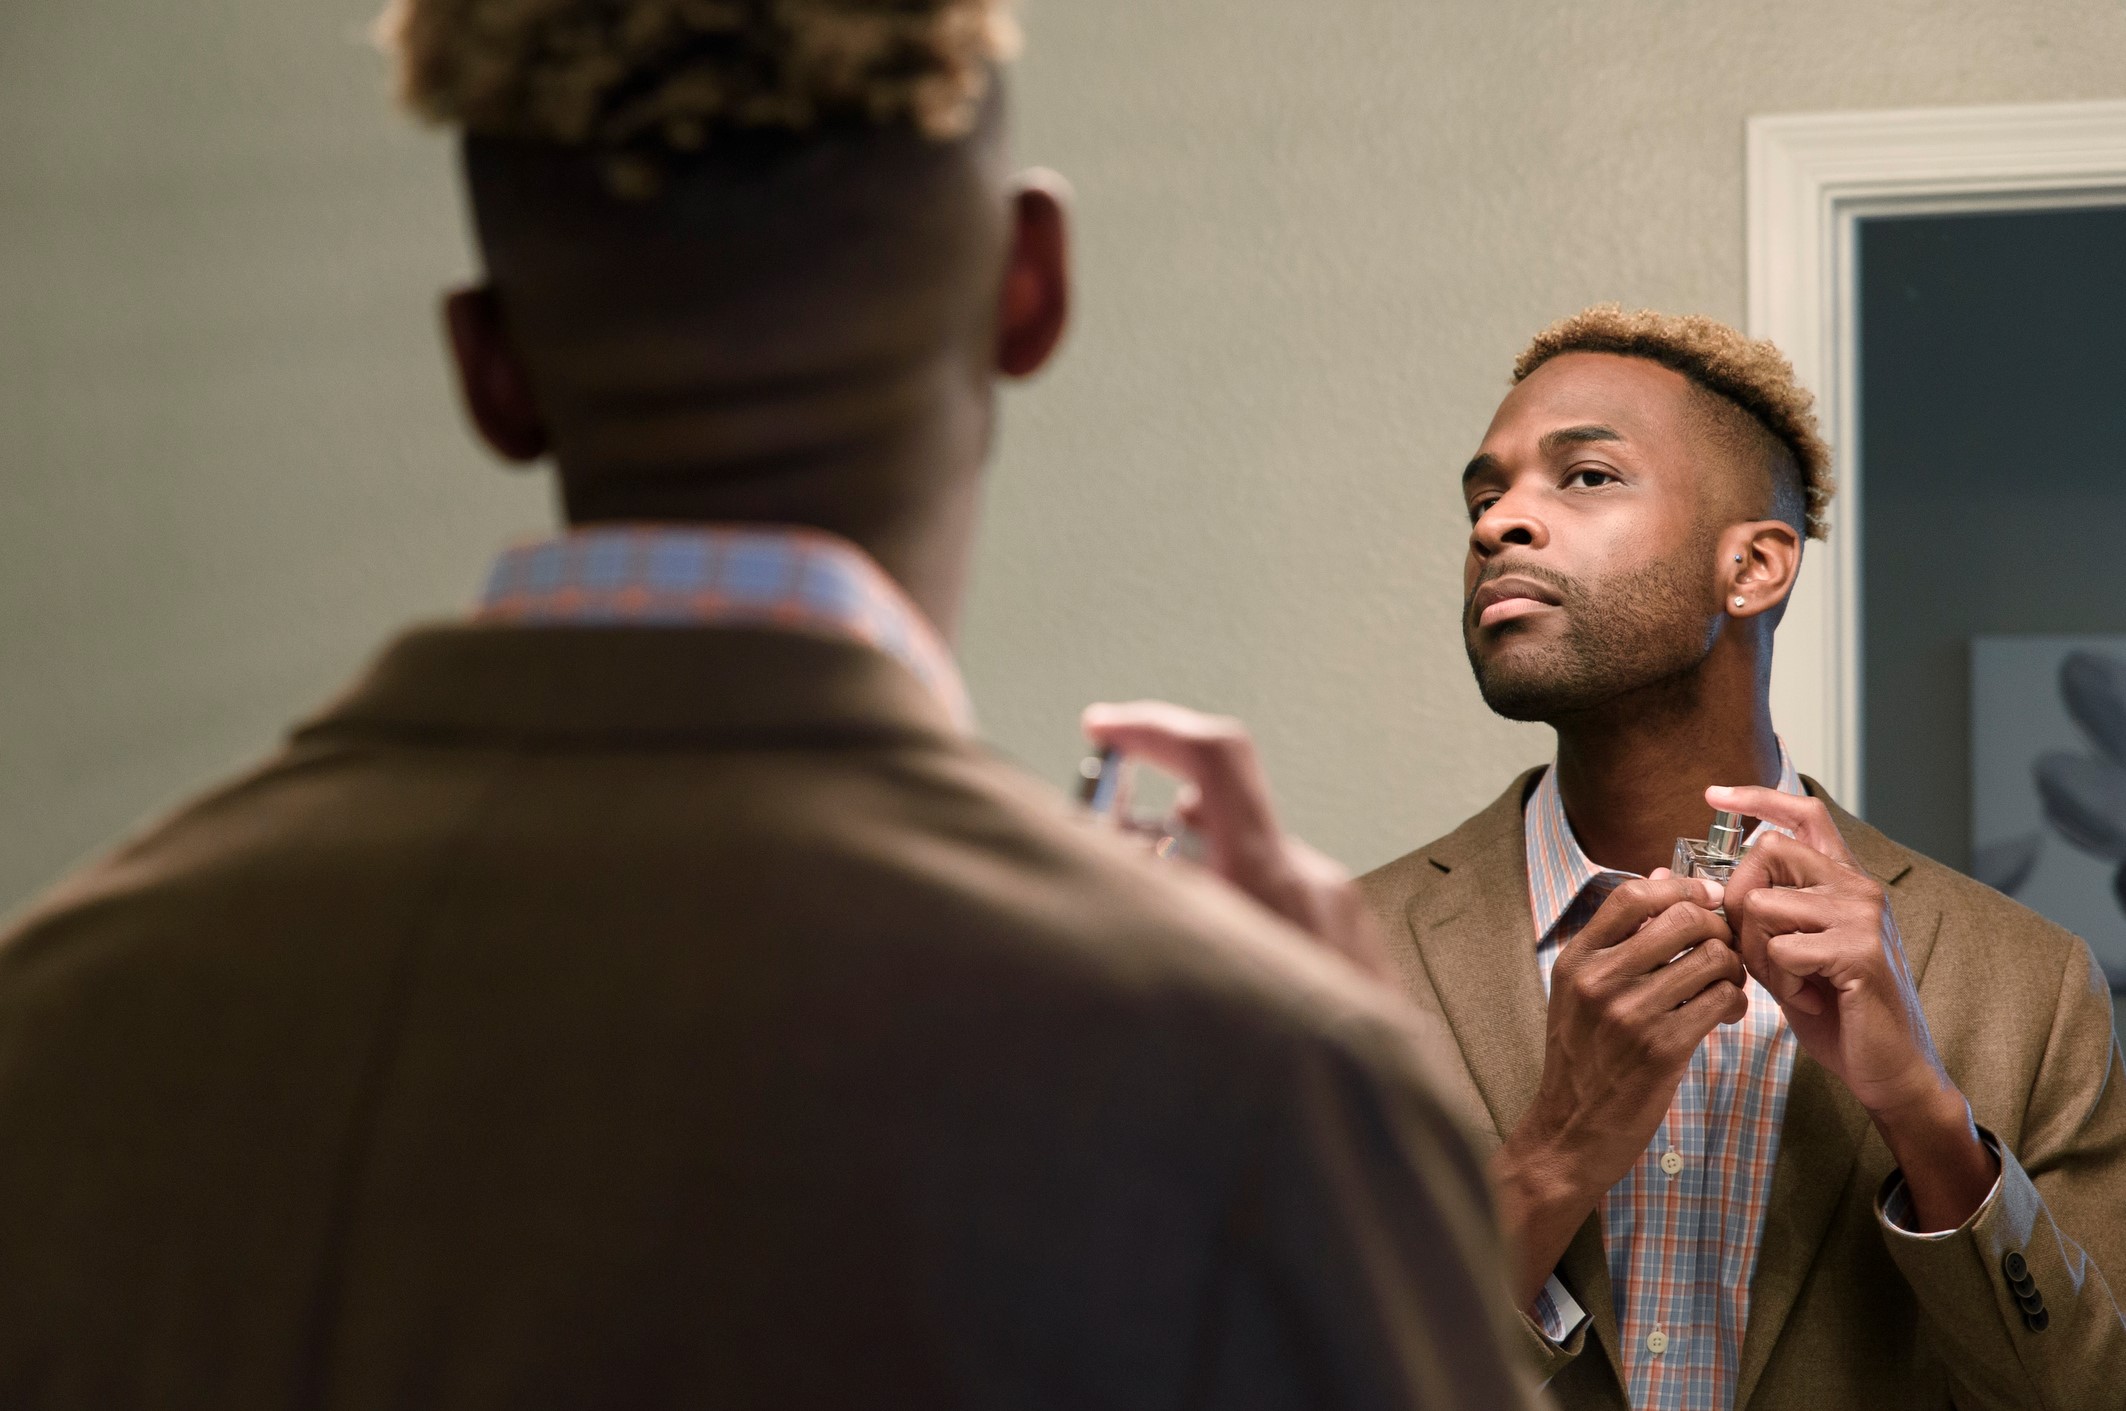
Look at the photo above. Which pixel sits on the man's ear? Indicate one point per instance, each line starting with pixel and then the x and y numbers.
pixel 1034 308
pixel 498 394
pixel 1759 562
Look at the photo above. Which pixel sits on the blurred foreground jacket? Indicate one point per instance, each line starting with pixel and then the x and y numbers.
pixel 690 1016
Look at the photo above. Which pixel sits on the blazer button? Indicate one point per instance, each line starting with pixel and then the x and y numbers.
pixel 2038 1321
pixel 2013 1266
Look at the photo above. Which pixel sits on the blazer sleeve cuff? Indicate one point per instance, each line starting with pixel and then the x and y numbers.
pixel 1985 1285
pixel 1893 1206
pixel 1556 1331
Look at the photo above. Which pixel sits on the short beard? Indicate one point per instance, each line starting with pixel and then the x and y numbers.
pixel 1650 627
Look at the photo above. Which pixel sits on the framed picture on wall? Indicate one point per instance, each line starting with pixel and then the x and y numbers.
pixel 2048 781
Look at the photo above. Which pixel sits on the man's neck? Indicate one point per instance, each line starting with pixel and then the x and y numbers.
pixel 1633 776
pixel 910 499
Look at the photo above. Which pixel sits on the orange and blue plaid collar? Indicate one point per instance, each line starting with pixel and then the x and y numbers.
pixel 1558 871
pixel 800 580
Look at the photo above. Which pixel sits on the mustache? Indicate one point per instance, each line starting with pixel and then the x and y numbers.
pixel 1567 589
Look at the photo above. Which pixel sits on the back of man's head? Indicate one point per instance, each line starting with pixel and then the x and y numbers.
pixel 725 238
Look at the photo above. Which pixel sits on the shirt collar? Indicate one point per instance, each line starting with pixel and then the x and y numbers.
pixel 709 575
pixel 1558 871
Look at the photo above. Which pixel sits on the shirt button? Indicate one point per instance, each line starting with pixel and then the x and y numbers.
pixel 1671 1162
pixel 1657 1342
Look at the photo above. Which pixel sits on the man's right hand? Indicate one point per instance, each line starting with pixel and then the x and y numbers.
pixel 1226 799
pixel 1623 1023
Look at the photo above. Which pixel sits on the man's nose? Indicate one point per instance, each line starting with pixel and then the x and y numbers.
pixel 1511 520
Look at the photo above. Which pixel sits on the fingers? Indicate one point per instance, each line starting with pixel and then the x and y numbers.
pixel 1635 979
pixel 1789 975
pixel 1637 902
pixel 1775 860
pixel 1214 756
pixel 1781 983
pixel 1722 1002
pixel 1716 895
pixel 1760 912
pixel 1810 953
pixel 1321 888
pixel 1802 814
pixel 1673 986
pixel 1342 919
pixel 1188 806
pixel 1661 940
pixel 1669 1039
pixel 1788 934
pixel 1771 911
pixel 1225 798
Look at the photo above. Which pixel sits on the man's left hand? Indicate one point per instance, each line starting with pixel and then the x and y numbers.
pixel 1816 930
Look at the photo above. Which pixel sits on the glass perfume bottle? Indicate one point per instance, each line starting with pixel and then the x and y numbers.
pixel 1716 855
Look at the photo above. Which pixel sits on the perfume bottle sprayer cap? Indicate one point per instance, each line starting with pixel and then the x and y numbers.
pixel 1725 839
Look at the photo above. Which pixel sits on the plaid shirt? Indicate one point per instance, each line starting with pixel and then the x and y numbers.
pixel 1683 1227
pixel 792 579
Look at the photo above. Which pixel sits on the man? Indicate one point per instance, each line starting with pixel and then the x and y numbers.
pixel 646 994
pixel 1861 1140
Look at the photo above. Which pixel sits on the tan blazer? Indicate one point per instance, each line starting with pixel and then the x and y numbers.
pixel 686 1018
pixel 1846 1314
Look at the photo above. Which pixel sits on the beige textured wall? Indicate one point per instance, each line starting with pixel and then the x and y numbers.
pixel 1311 238
pixel 229 460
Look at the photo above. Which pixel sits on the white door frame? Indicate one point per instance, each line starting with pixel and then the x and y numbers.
pixel 1812 178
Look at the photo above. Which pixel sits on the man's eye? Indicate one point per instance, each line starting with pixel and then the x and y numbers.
pixel 1478 506
pixel 1589 479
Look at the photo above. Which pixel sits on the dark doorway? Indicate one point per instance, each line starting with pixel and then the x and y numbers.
pixel 1993 475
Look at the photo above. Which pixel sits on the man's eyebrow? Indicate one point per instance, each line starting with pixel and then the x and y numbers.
pixel 1484 464
pixel 1552 442
pixel 1577 436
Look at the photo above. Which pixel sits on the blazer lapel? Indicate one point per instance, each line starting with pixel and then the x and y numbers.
pixel 1821 1135
pixel 1476 939
pixel 1818 1143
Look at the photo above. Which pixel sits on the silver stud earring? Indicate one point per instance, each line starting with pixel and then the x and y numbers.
pixel 1738 558
pixel 1738 602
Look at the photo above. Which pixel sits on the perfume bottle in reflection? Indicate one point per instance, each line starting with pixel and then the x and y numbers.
pixel 1714 856
pixel 1106 785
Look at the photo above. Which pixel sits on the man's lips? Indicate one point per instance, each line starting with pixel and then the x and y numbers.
pixel 1507 598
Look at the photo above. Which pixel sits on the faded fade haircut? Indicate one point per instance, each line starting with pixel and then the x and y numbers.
pixel 1751 375
pixel 642 82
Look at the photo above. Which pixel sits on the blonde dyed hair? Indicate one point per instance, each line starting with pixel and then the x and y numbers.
pixel 1750 372
pixel 662 77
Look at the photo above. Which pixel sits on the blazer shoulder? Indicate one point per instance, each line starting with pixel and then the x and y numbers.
pixel 1079 887
pixel 1393 885
pixel 1974 915
pixel 1991 966
pixel 1163 955
pixel 311 834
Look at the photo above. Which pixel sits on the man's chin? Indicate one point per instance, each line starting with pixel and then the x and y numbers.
pixel 1518 704
pixel 1518 685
